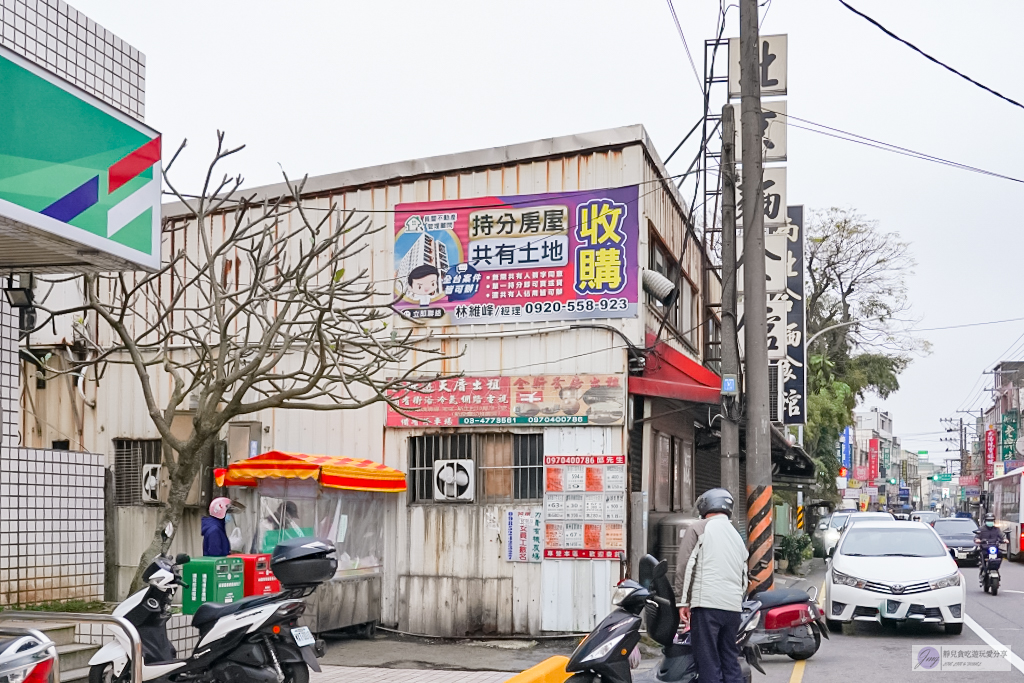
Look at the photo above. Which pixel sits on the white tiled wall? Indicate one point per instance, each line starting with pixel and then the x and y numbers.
pixel 8 375
pixel 183 636
pixel 64 41
pixel 51 525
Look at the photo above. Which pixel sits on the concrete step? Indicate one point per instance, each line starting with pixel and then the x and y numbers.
pixel 75 656
pixel 74 675
pixel 60 634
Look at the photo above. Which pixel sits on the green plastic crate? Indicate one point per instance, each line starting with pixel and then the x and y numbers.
pixel 212 579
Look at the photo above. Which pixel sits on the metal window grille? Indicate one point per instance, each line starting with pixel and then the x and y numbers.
pixel 129 457
pixel 773 393
pixel 423 451
pixel 509 467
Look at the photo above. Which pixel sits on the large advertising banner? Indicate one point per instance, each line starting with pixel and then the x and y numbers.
pixel 523 258
pixel 567 400
pixel 584 507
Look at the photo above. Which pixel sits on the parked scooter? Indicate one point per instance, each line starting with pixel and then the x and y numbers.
pixel 991 559
pixel 788 622
pixel 27 656
pixel 254 640
pixel 604 654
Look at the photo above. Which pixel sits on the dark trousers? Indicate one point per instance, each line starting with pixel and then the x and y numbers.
pixel 713 636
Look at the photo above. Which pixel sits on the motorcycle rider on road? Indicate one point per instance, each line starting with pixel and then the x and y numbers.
pixel 987 535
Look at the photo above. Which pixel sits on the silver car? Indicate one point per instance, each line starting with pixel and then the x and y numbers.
pixel 826 535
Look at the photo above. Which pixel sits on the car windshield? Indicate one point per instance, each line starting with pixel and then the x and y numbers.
pixel 838 521
pixel 895 542
pixel 955 526
pixel 870 517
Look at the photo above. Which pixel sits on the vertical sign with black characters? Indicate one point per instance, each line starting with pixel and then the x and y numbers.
pixel 793 368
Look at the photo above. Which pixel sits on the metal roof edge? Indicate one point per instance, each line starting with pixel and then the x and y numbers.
pixel 490 157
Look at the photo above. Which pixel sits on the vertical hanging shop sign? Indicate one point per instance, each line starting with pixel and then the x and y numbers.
pixel 1010 425
pixel 792 368
pixel 872 458
pixel 848 448
pixel 584 506
pixel 991 451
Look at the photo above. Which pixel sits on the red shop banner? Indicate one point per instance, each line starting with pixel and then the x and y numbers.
pixel 873 459
pixel 991 450
pixel 566 400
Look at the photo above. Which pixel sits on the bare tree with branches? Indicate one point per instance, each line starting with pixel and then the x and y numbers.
pixel 857 276
pixel 262 316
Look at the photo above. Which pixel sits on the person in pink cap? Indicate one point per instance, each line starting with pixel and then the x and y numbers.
pixel 215 536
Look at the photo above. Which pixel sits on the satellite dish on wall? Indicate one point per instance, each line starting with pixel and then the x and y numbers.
pixel 1019 446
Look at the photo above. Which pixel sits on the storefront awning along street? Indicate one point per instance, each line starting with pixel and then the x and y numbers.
pixel 670 374
pixel 338 472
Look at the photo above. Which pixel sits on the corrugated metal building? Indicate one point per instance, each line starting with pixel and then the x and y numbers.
pixel 447 564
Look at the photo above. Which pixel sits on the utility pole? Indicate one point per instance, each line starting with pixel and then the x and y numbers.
pixel 730 343
pixel 760 527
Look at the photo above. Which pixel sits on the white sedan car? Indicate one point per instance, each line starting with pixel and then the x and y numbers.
pixel 894 571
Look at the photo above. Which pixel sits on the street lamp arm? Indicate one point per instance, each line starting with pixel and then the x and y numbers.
pixel 838 325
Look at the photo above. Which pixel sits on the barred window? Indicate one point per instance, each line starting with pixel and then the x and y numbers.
pixel 129 457
pixel 509 467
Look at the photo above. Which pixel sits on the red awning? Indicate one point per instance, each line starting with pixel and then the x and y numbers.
pixel 671 374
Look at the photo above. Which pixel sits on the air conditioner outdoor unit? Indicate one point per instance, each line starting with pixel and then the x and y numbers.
pixel 454 481
pixel 151 483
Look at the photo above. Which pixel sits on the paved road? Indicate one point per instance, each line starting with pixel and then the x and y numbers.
pixel 876 654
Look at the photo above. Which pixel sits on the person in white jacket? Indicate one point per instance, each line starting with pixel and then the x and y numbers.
pixel 711 581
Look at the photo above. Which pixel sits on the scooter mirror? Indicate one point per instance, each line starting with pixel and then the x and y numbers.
pixel 181 559
pixel 648 567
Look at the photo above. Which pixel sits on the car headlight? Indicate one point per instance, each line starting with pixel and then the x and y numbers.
pixel 847 580
pixel 604 649
pixel 946 581
pixel 621 593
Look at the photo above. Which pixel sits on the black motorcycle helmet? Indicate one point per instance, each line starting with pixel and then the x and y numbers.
pixel 990 517
pixel 715 500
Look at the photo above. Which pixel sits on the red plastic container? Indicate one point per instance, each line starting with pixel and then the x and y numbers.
pixel 259 579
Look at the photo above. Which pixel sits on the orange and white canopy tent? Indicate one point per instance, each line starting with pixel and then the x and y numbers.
pixel 336 472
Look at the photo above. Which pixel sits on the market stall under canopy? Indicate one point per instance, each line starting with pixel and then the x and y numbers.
pixel 353 474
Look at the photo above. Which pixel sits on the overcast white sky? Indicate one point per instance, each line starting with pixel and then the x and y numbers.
pixel 324 86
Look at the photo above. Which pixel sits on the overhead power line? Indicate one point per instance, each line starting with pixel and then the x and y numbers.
pixel 686 46
pixel 927 56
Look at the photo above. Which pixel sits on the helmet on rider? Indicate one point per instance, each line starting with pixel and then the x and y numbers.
pixel 715 500
pixel 990 520
pixel 219 507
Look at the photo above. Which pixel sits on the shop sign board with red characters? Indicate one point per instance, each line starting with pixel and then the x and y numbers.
pixel 584 507
pixel 564 400
pixel 522 258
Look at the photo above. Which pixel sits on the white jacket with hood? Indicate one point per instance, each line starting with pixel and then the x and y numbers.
pixel 711 568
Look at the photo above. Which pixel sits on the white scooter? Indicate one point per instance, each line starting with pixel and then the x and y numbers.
pixel 253 640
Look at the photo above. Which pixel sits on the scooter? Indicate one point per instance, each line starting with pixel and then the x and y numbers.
pixel 254 640
pixel 27 656
pixel 788 622
pixel 604 655
pixel 991 559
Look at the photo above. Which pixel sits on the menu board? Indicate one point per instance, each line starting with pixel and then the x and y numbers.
pixel 584 506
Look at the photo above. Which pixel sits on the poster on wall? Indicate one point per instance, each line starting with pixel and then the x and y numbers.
pixel 584 506
pixel 523 535
pixel 522 258
pixel 565 400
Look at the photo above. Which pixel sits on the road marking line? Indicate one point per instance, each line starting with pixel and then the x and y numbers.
pixel 1016 661
pixel 1008 590
pixel 798 671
